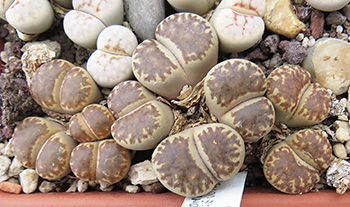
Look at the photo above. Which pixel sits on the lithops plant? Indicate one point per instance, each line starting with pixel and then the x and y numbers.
pixel 44 145
pixel 328 6
pixel 281 18
pixel 297 101
pixel 294 165
pixel 141 120
pixel 239 24
pixel 103 161
pixel 192 162
pixel 28 17
pixel 91 124
pixel 198 7
pixel 185 49
pixel 328 62
pixel 110 64
pixel 234 91
pixel 84 23
pixel 62 87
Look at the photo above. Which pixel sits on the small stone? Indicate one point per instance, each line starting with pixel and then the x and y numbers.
pixel 158 188
pixel 16 167
pixel 28 180
pixel 2 147
pixel 10 187
pixel 346 11
pixel 342 132
pixel 312 42
pixel 340 151
pixel 47 186
pixel 144 16
pixel 281 19
pixel 338 175
pixel 339 29
pixel 335 18
pixel 300 37
pixel 8 150
pixel 147 188
pixel 303 12
pixel 347 147
pixel 5 163
pixel 4 177
pixel 317 23
pixel 73 187
pixel 142 173
pixel 132 189
pixel 82 186
pixel 106 188
pixel 294 52
pixel 270 44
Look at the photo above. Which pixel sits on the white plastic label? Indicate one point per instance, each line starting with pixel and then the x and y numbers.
pixel 225 194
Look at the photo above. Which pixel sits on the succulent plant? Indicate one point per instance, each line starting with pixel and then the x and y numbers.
pixel 28 17
pixel 62 87
pixel 110 64
pixel 84 23
pixel 91 124
pixel 327 61
pixel 44 145
pixel 141 120
pixel 294 165
pixel 192 162
pixel 103 161
pixel 185 49
pixel 239 24
pixel 198 7
pixel 234 91
pixel 328 6
pixel 297 101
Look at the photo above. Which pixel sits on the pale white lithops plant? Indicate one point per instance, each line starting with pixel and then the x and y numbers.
pixel 110 64
pixel 84 23
pixel 327 5
pixel 185 49
pixel 239 24
pixel 198 6
pixel 28 17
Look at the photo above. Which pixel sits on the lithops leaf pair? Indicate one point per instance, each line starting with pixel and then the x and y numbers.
pixel 198 6
pixel 294 165
pixel 239 24
pixel 328 61
pixel 62 87
pixel 44 145
pixel 185 49
pixel 91 124
pixel 297 101
pixel 192 162
pixel 234 91
pixel 103 161
pixel 28 17
pixel 328 6
pixel 141 120
pixel 110 64
pixel 88 18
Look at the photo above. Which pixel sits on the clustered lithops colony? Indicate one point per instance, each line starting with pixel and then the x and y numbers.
pixel 240 104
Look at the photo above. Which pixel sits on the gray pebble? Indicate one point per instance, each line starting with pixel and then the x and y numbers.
pixel 16 167
pixel 29 180
pixel 4 165
pixel 335 18
pixel 144 16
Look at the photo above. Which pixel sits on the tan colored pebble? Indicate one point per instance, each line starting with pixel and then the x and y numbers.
pixel 342 132
pixel 281 19
pixel 132 189
pixel 15 168
pixel 339 151
pixel 47 186
pixel 11 187
pixel 82 186
pixel 142 173
pixel 347 147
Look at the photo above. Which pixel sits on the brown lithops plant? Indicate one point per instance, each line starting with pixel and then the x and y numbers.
pixel 62 87
pixel 103 161
pixel 44 145
pixel 185 49
pixel 294 165
pixel 234 91
pixel 91 124
pixel 191 162
pixel 297 101
pixel 141 120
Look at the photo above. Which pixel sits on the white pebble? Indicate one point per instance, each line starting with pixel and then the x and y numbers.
pixel 300 37
pixel 4 177
pixel 8 150
pixel 305 42
pixel 16 167
pixel 82 186
pixel 28 179
pixel 339 29
pixel 5 163
pixel 339 151
pixel 142 173
pixel 132 189
pixel 312 42
pixel 2 147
